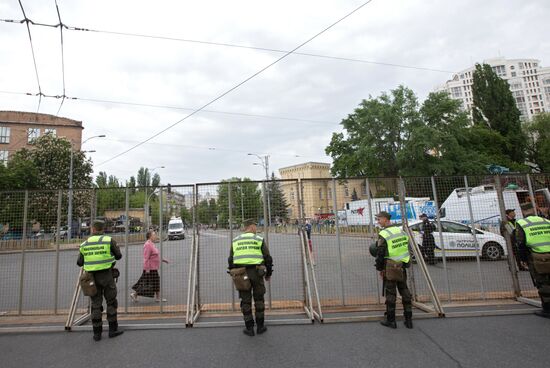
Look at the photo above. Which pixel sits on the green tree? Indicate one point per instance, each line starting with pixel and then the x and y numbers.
pixel 110 194
pixel 538 142
pixel 46 166
pixel 494 107
pixel 207 211
pixel 279 205
pixel 374 135
pixel 186 215
pixel 131 184
pixel 245 206
pixel 438 145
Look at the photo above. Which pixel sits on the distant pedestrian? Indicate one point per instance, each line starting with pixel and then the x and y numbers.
pixel 427 229
pixel 148 284
pixel 509 227
pixel 309 243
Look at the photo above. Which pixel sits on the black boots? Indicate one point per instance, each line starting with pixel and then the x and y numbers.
pixel 97 332
pixel 545 312
pixel 113 330
pixel 261 328
pixel 389 320
pixel 408 319
pixel 249 330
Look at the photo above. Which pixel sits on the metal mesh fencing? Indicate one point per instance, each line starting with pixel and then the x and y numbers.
pixel 468 258
pixel 340 239
pixel 221 210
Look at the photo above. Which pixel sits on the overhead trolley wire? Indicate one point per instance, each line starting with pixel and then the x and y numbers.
pixel 26 21
pixel 95 100
pixel 62 57
pixel 239 84
pixel 239 46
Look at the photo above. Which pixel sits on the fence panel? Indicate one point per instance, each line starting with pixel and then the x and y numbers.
pixel 221 211
pixel 11 230
pixel 419 200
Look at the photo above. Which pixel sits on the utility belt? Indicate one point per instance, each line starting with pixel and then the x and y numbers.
pixel 240 276
pixel 541 263
pixel 394 270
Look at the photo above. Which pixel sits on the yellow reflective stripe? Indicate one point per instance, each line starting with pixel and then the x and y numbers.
pixel 255 256
pixel 109 260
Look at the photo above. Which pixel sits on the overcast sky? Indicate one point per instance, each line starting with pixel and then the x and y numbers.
pixel 446 35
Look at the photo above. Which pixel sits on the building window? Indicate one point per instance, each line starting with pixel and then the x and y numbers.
pixel 51 131
pixel 33 133
pixel 513 74
pixel 500 70
pixel 456 92
pixel 346 191
pixel 292 195
pixel 4 134
pixel 320 193
pixel 4 157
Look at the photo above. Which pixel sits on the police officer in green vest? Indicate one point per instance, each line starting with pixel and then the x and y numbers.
pixel 250 253
pixel 533 239
pixel 97 256
pixel 392 260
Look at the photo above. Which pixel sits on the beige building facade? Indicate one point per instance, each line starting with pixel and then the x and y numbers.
pixel 19 129
pixel 317 190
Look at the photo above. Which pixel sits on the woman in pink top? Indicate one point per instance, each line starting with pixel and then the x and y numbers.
pixel 148 284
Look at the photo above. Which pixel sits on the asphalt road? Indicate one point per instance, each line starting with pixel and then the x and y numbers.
pixel 506 341
pixel 357 283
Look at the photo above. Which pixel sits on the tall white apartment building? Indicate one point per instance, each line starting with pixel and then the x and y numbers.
pixel 529 83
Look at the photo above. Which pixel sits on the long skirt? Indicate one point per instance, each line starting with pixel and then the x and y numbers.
pixel 148 284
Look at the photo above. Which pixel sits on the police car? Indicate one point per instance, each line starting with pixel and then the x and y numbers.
pixel 459 241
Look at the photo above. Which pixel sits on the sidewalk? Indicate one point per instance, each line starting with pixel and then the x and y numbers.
pixel 507 341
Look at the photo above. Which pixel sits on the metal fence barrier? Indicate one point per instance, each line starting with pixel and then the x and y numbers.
pixel 318 232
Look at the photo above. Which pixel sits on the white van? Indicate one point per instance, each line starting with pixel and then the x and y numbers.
pixel 485 207
pixel 176 229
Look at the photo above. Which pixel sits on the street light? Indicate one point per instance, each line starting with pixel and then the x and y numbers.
pixel 149 171
pixel 70 209
pixel 264 162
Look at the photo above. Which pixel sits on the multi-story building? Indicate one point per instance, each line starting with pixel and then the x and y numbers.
pixel 19 129
pixel 317 189
pixel 529 83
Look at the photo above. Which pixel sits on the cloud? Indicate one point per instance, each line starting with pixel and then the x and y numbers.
pixel 439 34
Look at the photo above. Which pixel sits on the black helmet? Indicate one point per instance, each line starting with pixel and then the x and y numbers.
pixel 373 249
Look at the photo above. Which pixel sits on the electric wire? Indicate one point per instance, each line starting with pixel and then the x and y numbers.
pixel 62 58
pixel 239 84
pixel 232 113
pixel 26 21
pixel 238 46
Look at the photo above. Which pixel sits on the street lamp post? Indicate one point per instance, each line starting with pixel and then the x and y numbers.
pixel 147 197
pixel 70 209
pixel 264 162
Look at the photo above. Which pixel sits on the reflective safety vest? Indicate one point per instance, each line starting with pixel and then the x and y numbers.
pixel 398 244
pixel 247 249
pixel 97 253
pixel 537 233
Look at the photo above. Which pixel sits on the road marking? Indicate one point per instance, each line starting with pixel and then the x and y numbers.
pixel 214 235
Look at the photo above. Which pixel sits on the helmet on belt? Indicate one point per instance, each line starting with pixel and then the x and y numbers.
pixel 373 249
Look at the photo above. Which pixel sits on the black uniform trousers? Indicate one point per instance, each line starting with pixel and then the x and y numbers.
pixel 256 292
pixel 541 282
pixel 106 288
pixel 391 288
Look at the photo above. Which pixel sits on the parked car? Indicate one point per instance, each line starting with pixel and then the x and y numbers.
pixel 64 230
pixel 459 241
